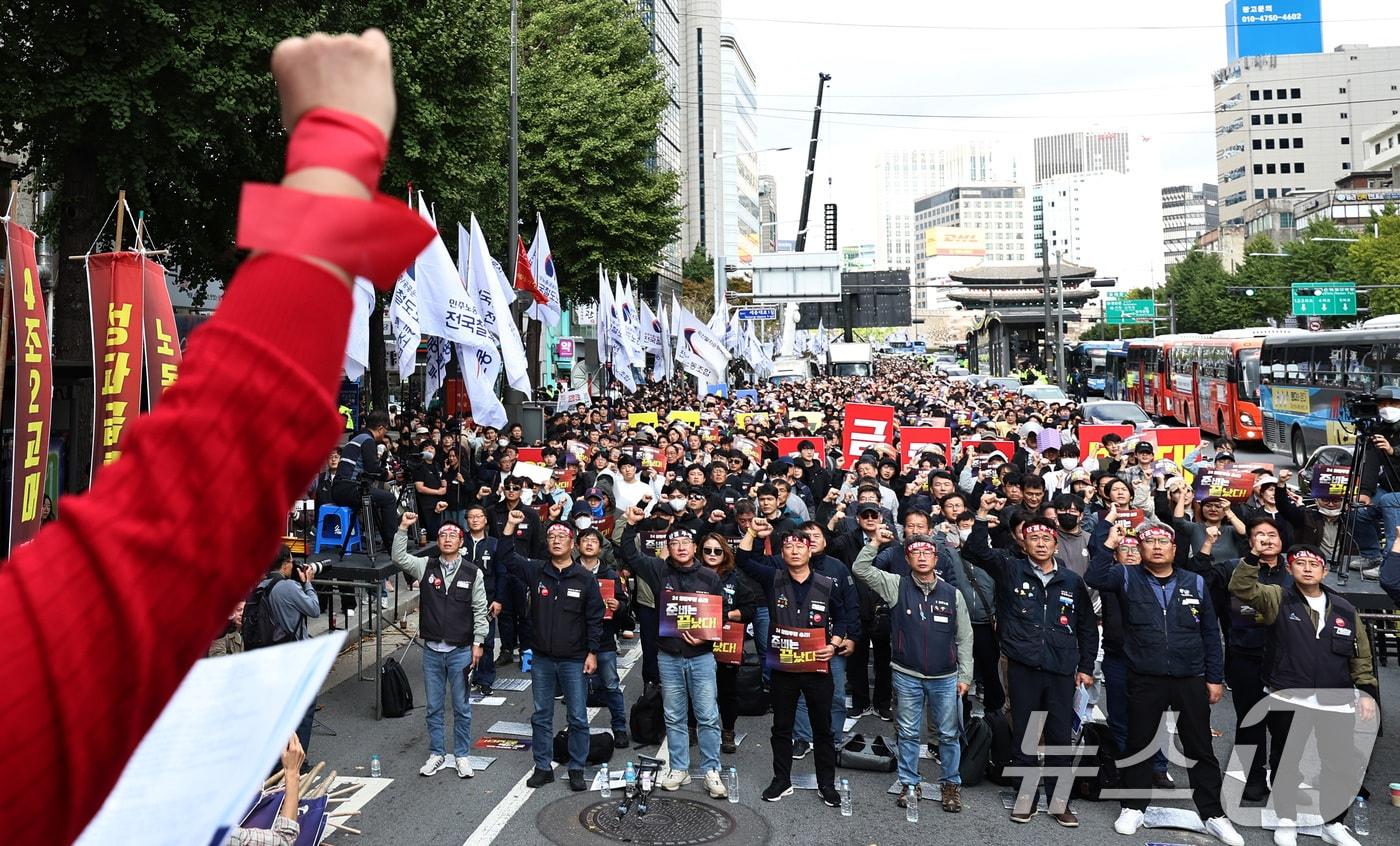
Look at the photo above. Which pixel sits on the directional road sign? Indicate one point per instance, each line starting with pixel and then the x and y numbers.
pixel 1129 312
pixel 758 313
pixel 1324 298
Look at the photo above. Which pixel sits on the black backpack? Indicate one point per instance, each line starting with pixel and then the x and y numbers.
pixel 1001 749
pixel 600 748
pixel 1105 757
pixel 258 627
pixel 648 720
pixel 976 751
pixel 752 697
pixel 396 697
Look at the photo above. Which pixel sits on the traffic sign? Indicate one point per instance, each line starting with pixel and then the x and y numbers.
pixel 1129 312
pixel 758 313
pixel 1324 298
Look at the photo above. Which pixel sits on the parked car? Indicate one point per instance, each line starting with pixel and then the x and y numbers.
pixel 1045 393
pixel 1113 411
pixel 1326 454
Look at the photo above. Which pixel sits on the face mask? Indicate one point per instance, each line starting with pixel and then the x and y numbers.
pixel 678 503
pixel 503 442
pixel 1069 463
pixel 1067 521
pixel 583 522
pixel 527 496
pixel 1390 414
pixel 1330 512
pixel 427 455
pixel 964 534
pixel 597 510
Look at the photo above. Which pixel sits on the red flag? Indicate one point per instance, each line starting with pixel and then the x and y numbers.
pixel 33 408
pixel 524 278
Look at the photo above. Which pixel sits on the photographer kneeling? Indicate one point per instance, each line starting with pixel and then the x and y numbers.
pixel 359 467
pixel 277 613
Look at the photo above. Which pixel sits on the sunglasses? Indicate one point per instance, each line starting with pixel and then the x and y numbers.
pixel 513 487
pixel 712 550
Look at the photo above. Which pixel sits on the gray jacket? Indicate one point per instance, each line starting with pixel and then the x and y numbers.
pixel 291 604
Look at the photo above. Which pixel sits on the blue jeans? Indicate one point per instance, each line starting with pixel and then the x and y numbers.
pixel 690 683
pixel 761 627
pixel 485 672
pixel 941 697
pixel 441 669
pixel 802 727
pixel 1383 513
pixel 607 674
pixel 545 674
pixel 1115 682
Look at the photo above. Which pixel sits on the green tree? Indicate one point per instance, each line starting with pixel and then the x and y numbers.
pixel 1263 276
pixel 698 266
pixel 591 100
pixel 1199 284
pixel 1375 260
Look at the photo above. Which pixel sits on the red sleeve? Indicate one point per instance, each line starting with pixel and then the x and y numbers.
pixel 106 610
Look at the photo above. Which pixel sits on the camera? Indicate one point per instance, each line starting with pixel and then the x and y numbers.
pixel 314 568
pixel 1363 406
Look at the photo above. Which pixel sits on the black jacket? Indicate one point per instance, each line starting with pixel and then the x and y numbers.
pixel 528 535
pixel 621 619
pixel 1050 626
pixel 696 578
pixel 566 608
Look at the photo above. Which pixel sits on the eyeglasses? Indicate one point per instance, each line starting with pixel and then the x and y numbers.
pixel 512 487
pixel 712 550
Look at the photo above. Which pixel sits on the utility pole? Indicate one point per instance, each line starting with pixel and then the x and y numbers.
pixel 1045 283
pixel 513 231
pixel 1059 322
pixel 1171 313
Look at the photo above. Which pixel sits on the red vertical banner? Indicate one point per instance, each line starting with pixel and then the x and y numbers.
pixel 915 440
pixel 115 295
pixel 33 384
pixel 865 426
pixel 162 344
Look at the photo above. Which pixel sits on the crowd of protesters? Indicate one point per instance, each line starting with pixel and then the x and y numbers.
pixel 954 581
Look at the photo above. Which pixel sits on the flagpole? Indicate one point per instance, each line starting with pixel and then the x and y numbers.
pixel 514 211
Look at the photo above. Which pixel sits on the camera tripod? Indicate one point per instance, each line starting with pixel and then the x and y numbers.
pixel 1365 429
pixel 640 793
pixel 364 519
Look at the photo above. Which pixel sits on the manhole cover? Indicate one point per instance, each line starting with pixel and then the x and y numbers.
pixel 669 822
pixel 587 820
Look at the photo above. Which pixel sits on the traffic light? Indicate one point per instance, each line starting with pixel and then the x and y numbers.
pixel 1249 292
pixel 1103 282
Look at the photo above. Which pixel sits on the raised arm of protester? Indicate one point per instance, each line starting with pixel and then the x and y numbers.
pixel 92 658
pixel 885 585
pixel 412 565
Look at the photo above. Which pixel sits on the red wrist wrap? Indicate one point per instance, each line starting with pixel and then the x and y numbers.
pixel 375 239
pixel 330 138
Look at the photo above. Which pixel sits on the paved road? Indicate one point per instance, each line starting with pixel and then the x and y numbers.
pixel 447 810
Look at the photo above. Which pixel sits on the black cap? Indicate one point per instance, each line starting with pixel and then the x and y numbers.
pixel 867 507
pixel 1144 446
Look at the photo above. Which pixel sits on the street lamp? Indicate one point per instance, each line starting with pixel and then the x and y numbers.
pixel 718 223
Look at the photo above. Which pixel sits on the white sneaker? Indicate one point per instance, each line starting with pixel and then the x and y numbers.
pixel 435 763
pixel 464 768
pixel 1338 835
pixel 383 602
pixel 674 779
pixel 1286 834
pixel 714 785
pixel 1223 830
pixel 1128 822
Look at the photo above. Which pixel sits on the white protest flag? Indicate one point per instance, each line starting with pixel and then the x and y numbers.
pixel 631 324
pixel 605 312
pixel 756 355
pixel 357 343
pixel 480 366
pixel 661 367
pixel 444 309
pixel 717 322
pixel 734 335
pixel 822 343
pixel 651 330
pixel 698 351
pixel 439 353
pixel 674 325
pixel 485 280
pixel 403 321
pixel 546 280
pixel 572 398
pixel 788 345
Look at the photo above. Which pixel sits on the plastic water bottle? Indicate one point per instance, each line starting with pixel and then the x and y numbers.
pixel 374 769
pixel 1360 817
pixel 607 781
pixel 527 660
pixel 731 784
pixel 845 797
pixel 630 777
pixel 911 813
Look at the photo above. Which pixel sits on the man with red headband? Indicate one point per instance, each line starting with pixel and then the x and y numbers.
pixel 92 658
pixel 454 625
pixel 1172 643
pixel 1317 669
pixel 1050 637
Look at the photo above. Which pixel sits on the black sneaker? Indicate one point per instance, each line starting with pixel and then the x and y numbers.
pixel 800 748
pixel 621 740
pixel 483 688
pixel 776 790
pixel 830 797
pixel 539 778
pixel 576 782
pixel 505 658
pixel 885 713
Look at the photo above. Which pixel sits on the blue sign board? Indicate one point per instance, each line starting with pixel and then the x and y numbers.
pixel 1277 28
pixel 758 313
pixel 717 390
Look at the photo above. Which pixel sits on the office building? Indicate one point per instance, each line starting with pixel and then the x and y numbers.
pixel 662 20
pixel 963 227
pixel 904 175
pixel 767 214
pixel 739 128
pixel 701 107
pixel 1080 152
pixel 1188 212
pixel 1293 124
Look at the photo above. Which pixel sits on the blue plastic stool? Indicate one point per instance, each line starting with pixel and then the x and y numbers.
pixel 331 521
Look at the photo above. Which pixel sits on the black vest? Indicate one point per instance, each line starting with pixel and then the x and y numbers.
pixel 815 613
pixel 446 612
pixel 1249 634
pixel 1301 657
pixel 924 628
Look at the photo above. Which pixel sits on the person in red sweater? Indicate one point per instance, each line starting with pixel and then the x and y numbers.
pixel 91 651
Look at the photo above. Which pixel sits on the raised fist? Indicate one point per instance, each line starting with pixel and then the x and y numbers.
pixel 351 73
pixel 409 518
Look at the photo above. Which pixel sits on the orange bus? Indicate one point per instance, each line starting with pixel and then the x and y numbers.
pixel 1142 381
pixel 1214 384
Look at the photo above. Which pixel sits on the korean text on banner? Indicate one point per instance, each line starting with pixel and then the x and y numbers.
pixel 608 588
pixel 788 446
pixel 915 441
pixel 115 294
pixel 795 650
pixel 730 648
pixel 1232 484
pixel 865 426
pixel 162 344
pixel 34 382
pixel 1330 481
pixel 697 614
